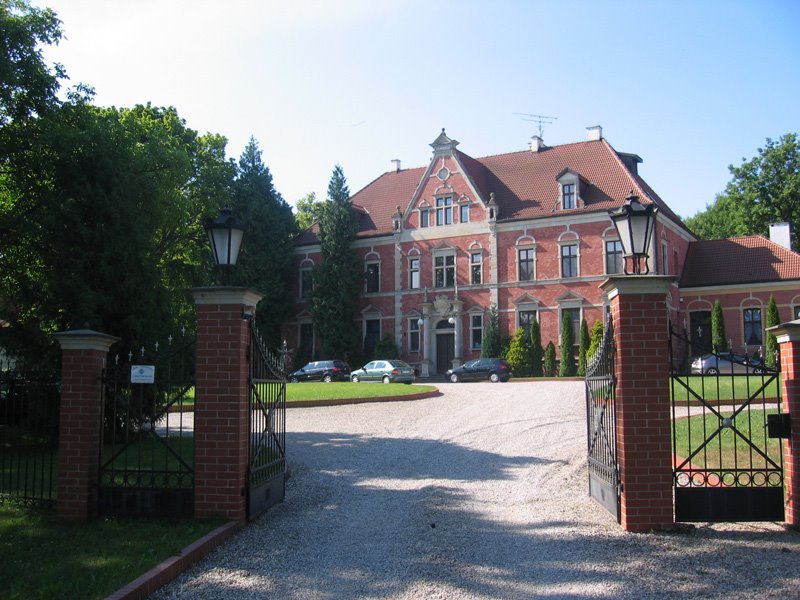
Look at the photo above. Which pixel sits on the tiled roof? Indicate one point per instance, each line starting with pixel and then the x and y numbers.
pixel 524 184
pixel 748 259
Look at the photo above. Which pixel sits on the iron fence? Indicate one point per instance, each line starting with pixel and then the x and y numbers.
pixel 29 403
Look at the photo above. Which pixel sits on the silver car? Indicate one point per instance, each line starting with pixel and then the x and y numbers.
pixel 727 363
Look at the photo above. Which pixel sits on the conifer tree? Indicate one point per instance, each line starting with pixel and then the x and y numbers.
pixel 567 366
pixel 771 342
pixel 518 356
pixel 265 263
pixel 597 338
pixel 490 345
pixel 719 339
pixel 536 350
pixel 583 348
pixel 338 278
pixel 549 363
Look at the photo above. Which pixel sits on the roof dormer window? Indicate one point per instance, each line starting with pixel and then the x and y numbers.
pixel 569 190
pixel 568 196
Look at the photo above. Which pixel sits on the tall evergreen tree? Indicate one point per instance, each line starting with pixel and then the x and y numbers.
pixel 490 345
pixel 771 342
pixel 266 261
pixel 583 348
pixel 719 340
pixel 596 340
pixel 536 350
pixel 518 355
pixel 549 362
pixel 339 276
pixel 567 366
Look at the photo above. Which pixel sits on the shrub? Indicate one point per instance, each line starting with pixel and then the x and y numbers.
pixel 597 337
pixel 567 366
pixel 536 349
pixel 518 355
pixel 583 348
pixel 386 347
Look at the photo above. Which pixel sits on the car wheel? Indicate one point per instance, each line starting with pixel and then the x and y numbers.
pixel 712 371
pixel 293 380
pixel 386 379
pixel 327 379
pixel 454 378
pixel 355 379
pixel 494 377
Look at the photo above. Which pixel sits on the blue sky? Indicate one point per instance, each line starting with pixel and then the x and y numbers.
pixel 690 86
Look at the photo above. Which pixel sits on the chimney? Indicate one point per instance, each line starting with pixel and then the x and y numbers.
pixel 536 144
pixel 781 234
pixel 395 164
pixel 594 133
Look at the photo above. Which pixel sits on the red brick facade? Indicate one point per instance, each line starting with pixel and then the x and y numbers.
pixel 500 209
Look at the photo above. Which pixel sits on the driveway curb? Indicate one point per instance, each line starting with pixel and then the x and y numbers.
pixel 342 401
pixel 169 569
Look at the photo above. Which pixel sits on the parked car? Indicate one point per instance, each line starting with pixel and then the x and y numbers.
pixel 387 371
pixel 727 363
pixel 322 370
pixel 493 369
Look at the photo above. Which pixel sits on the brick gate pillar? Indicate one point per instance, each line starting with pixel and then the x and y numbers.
pixel 788 335
pixel 639 311
pixel 80 423
pixel 221 417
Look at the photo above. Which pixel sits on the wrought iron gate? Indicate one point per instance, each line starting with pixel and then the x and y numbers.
pixel 267 460
pixel 604 484
pixel 147 455
pixel 726 466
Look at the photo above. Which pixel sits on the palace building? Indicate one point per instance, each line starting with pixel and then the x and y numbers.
pixel 529 232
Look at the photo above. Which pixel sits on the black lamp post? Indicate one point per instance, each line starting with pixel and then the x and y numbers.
pixel 635 223
pixel 225 234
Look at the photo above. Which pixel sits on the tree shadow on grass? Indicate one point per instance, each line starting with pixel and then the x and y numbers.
pixel 399 517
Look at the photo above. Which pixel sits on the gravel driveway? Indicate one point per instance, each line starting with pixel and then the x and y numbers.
pixel 480 493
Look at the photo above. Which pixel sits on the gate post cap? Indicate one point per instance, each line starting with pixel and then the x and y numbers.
pixel 85 339
pixel 226 295
pixel 637 284
pixel 786 332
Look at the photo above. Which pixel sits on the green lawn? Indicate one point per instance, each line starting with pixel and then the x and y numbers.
pixel 724 387
pixel 299 392
pixel 726 447
pixel 41 557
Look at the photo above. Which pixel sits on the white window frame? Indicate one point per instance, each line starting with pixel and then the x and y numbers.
pixel 576 329
pixel 561 246
pixel 606 255
pixel 367 265
pixel 444 256
pixel 414 332
pixel 462 209
pixel 444 211
pixel 532 250
pixel 476 263
pixel 526 310
pixel 414 271
pixel 424 218
pixel 473 328
pixel 303 292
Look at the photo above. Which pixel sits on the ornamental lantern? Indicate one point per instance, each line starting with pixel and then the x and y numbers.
pixel 225 234
pixel 635 223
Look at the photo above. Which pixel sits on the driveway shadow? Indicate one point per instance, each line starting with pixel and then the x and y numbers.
pixel 402 517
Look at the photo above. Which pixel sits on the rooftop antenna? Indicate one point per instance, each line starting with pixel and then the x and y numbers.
pixel 542 120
